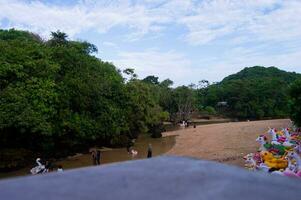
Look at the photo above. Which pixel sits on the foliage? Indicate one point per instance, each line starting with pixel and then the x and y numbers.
pixel 254 93
pixel 210 110
pixel 151 80
pixel 56 98
pixel 131 73
pixel 185 101
pixel 295 94
pixel 143 110
pixel 14 158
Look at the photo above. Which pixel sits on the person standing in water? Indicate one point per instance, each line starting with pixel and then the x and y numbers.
pixel 129 146
pixel 149 151
pixel 97 157
pixel 60 168
pixel 93 155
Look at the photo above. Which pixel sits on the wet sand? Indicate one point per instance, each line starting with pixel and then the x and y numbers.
pixel 226 143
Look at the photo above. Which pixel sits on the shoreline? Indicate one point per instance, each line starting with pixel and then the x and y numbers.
pixel 203 142
pixel 226 142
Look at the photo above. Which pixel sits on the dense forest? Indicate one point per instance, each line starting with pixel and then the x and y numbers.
pixel 57 98
pixel 295 102
pixel 253 93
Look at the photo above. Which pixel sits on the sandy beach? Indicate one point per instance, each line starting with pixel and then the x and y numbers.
pixel 226 143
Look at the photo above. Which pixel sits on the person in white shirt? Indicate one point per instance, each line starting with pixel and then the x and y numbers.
pixel 60 168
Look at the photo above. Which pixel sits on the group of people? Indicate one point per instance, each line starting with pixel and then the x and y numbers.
pixel 96 153
pixel 96 157
pixel 134 152
pixel 186 123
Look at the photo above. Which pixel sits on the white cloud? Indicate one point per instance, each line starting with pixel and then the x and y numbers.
pixel 260 19
pixel 180 69
pixel 237 58
pixel 205 20
pixel 102 16
pixel 172 65
pixel 249 30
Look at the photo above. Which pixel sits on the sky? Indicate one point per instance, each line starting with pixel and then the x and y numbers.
pixel 183 40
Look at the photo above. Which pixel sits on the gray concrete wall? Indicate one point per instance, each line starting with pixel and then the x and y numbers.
pixel 164 177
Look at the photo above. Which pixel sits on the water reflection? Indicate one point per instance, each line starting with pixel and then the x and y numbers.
pixel 160 146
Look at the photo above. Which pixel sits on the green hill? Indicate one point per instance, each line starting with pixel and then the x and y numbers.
pixel 253 93
pixel 259 72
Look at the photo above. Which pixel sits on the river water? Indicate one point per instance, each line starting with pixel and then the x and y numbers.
pixel 159 146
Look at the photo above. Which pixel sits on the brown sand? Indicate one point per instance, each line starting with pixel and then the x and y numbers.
pixel 226 143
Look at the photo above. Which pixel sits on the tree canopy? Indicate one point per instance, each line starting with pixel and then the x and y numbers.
pixel 295 94
pixel 253 93
pixel 56 97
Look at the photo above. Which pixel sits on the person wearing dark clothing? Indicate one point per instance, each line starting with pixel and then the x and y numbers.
pixel 149 151
pixel 97 157
pixel 129 146
pixel 93 155
pixel 48 166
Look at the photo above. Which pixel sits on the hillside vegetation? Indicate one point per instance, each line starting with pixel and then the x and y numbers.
pixel 57 98
pixel 253 93
pixel 295 103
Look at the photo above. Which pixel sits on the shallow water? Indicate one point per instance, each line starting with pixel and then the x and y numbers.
pixel 172 127
pixel 159 146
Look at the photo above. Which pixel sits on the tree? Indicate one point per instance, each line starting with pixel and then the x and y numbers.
pixel 28 91
pixel 210 110
pixel 131 73
pixel 57 96
pixel 184 98
pixel 295 94
pixel 151 80
pixel 58 38
pixel 203 84
pixel 166 83
pixel 165 98
pixel 253 93
pixel 144 113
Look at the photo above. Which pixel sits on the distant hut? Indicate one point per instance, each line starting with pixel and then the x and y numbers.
pixel 221 106
pixel 222 103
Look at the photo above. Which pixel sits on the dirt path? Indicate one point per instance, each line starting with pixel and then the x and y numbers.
pixel 227 142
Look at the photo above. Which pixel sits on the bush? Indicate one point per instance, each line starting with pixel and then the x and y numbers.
pixel 12 159
pixel 210 110
pixel 156 130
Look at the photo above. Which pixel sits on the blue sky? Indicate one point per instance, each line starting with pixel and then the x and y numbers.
pixel 184 40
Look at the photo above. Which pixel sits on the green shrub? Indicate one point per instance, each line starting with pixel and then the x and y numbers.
pixel 12 159
pixel 210 110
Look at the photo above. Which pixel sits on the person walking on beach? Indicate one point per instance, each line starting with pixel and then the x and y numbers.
pixel 149 151
pixel 97 158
